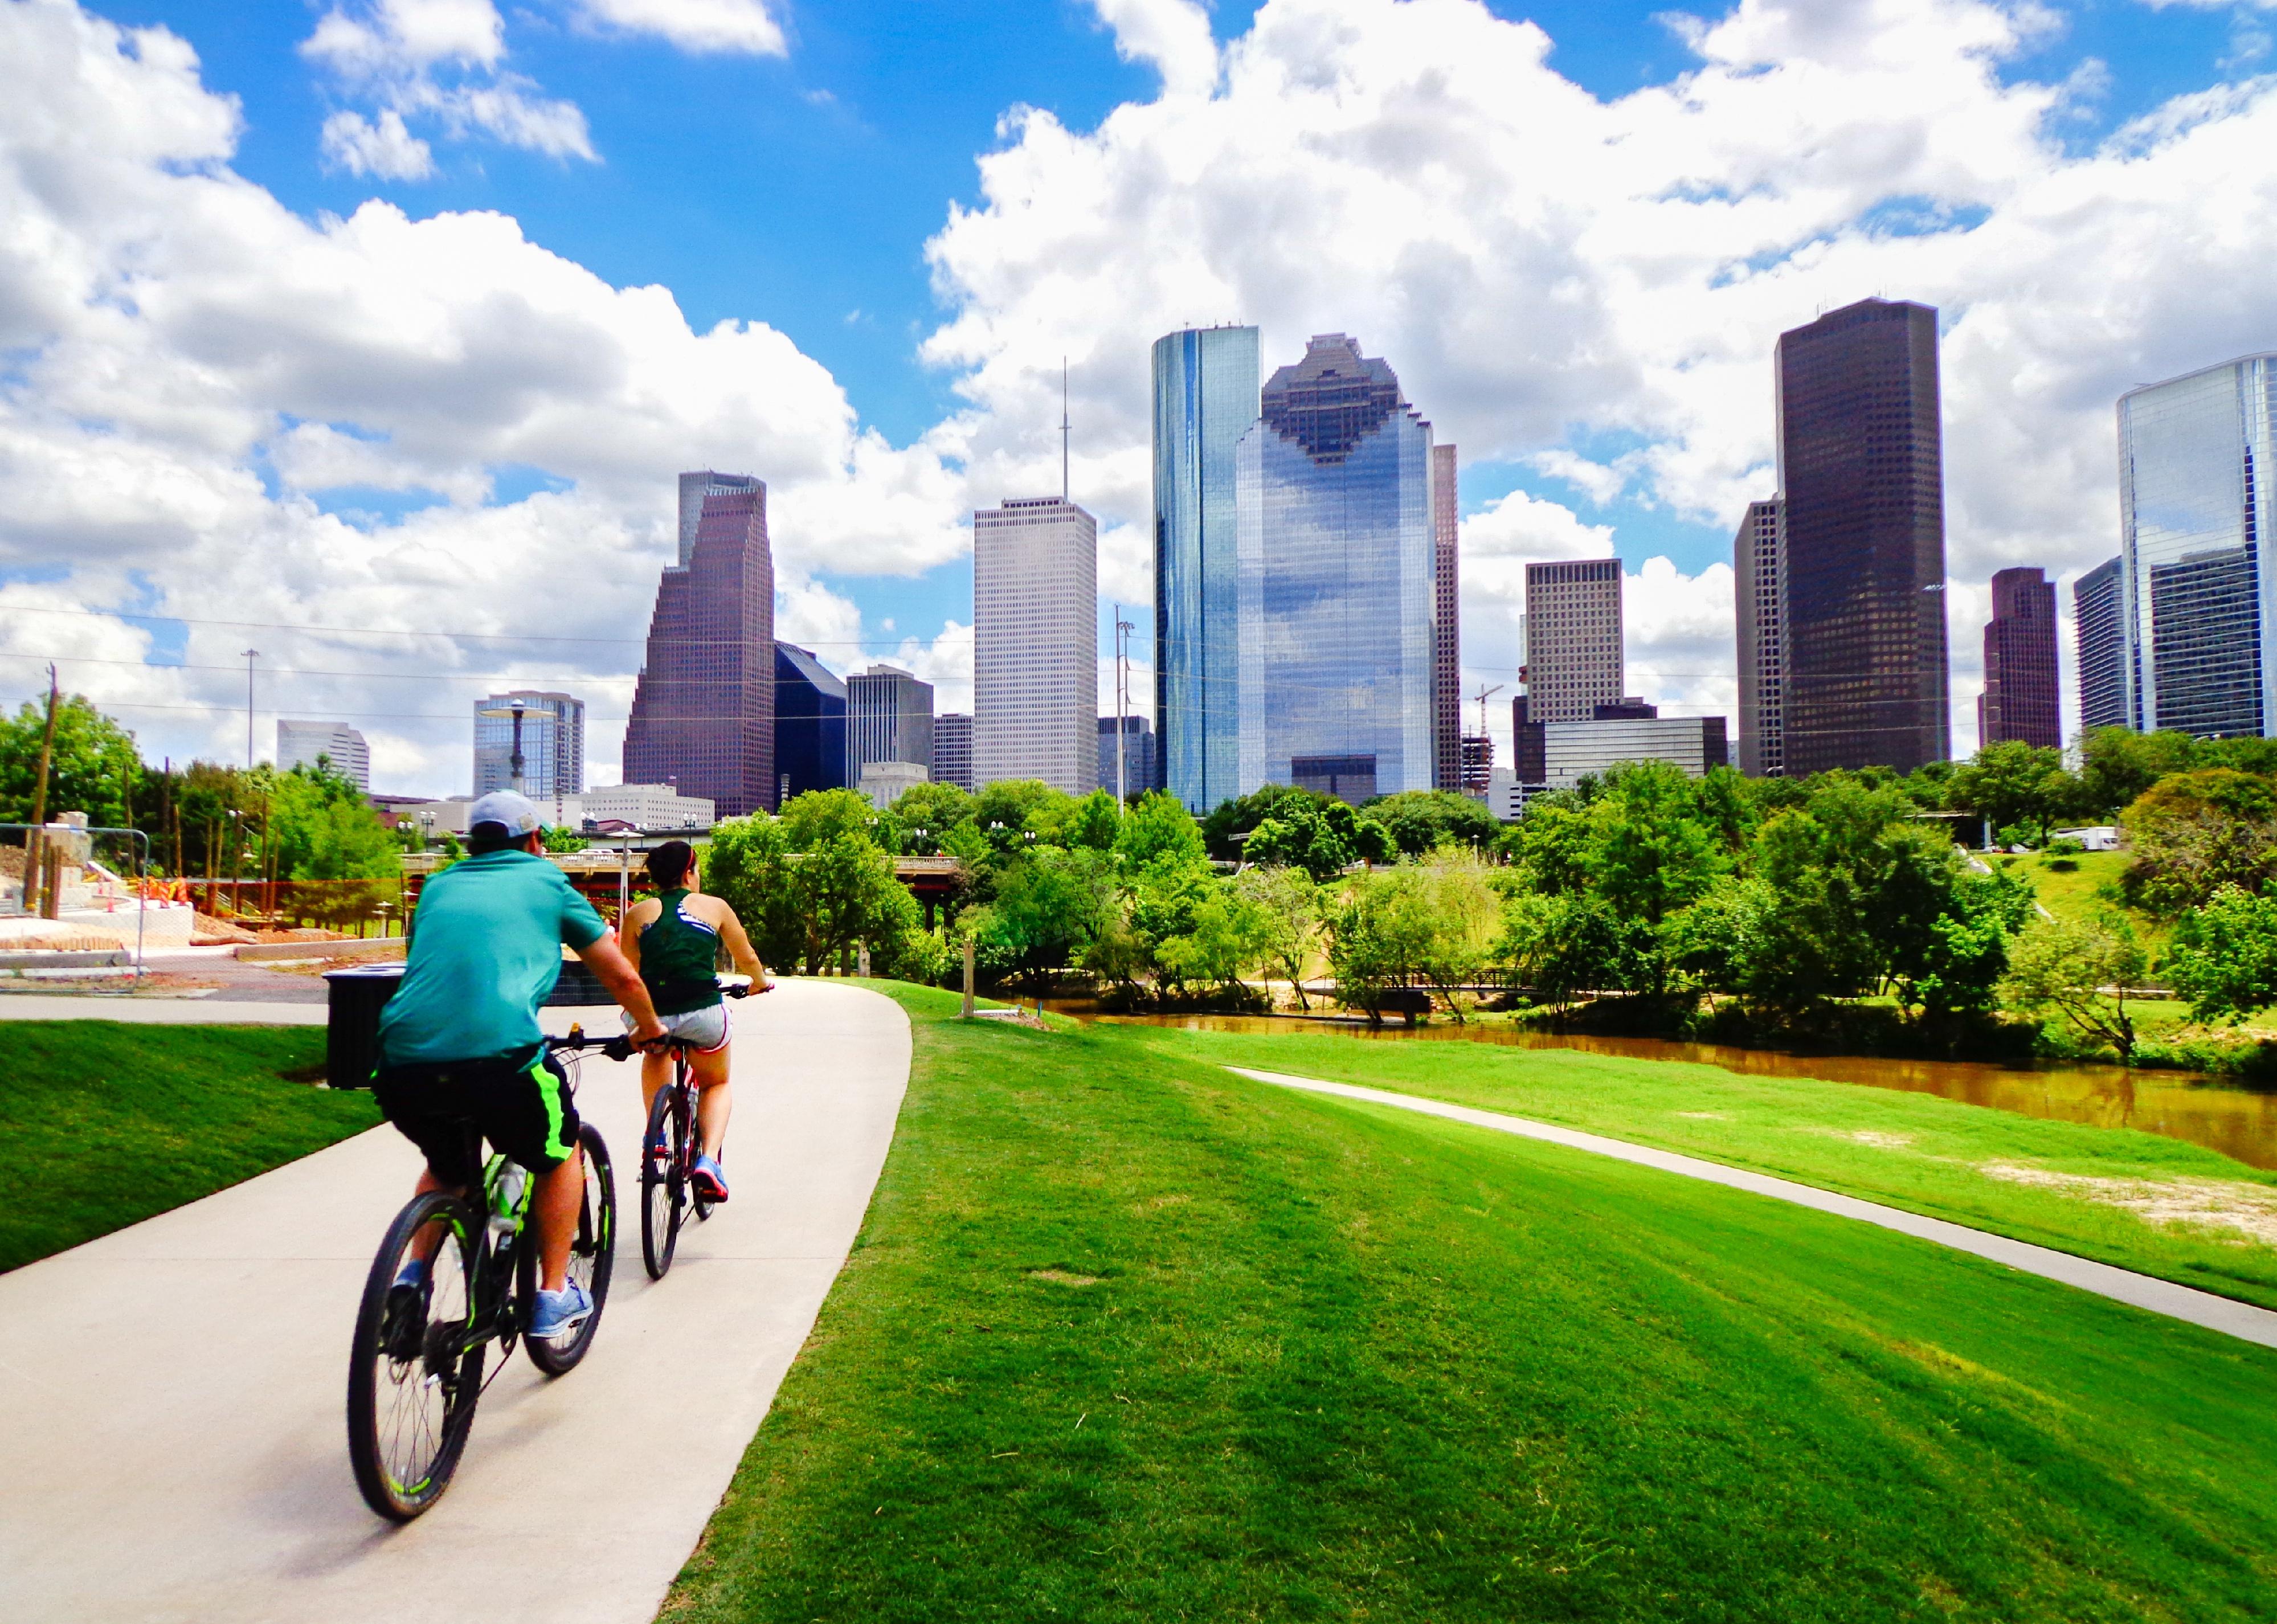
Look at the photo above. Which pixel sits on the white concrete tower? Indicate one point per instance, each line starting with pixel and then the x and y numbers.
pixel 1035 644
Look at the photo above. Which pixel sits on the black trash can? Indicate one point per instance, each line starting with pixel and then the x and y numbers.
pixel 352 1030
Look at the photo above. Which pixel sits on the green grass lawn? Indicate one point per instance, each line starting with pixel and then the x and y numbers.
pixel 2057 1184
pixel 103 1124
pixel 1126 1337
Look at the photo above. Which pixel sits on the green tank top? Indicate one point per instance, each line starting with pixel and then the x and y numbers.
pixel 678 956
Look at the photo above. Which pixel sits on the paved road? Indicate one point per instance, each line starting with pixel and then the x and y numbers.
pixel 2221 1314
pixel 172 1441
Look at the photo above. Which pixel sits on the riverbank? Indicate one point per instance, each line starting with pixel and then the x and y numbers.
pixel 1127 1337
pixel 2134 1200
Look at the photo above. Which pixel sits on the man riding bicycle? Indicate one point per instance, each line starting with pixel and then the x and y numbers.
pixel 673 938
pixel 460 1042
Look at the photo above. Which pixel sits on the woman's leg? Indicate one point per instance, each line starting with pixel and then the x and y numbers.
pixel 713 1100
pixel 656 1070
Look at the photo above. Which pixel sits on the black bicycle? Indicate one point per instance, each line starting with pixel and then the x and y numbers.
pixel 668 1156
pixel 415 1374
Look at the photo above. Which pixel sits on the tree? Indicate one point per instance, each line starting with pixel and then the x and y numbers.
pixel 94 767
pixel 1459 916
pixel 1645 849
pixel 935 808
pixel 2118 764
pixel 1300 836
pixel 1243 814
pixel 319 826
pixel 1418 821
pixel 807 905
pixel 2081 970
pixel 2012 782
pixel 1559 944
pixel 1158 826
pixel 1291 904
pixel 1229 932
pixel 1015 814
pixel 1091 823
pixel 2224 959
pixel 814 820
pixel 2194 833
pixel 1966 953
pixel 1047 909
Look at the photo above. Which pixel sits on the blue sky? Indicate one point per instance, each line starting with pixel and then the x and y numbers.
pixel 1606 394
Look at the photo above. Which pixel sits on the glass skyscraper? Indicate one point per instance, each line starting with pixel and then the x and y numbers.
pixel 2199 597
pixel 2020 703
pixel 2098 625
pixel 1860 459
pixel 552 743
pixel 1205 400
pixel 704 707
pixel 1336 581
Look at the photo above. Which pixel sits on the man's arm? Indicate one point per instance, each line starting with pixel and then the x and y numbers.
pixel 607 962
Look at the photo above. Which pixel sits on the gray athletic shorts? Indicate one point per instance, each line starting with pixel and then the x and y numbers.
pixel 704 1030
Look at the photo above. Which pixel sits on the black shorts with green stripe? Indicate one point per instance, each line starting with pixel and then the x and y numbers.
pixel 523 1109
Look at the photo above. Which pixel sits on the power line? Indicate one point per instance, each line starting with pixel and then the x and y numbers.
pixel 393 632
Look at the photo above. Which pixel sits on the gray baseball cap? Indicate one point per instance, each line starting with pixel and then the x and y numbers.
pixel 515 814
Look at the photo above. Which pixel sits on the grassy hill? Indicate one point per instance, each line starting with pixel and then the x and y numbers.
pixel 1128 1337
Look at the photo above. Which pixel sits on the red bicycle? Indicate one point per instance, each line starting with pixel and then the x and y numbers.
pixel 668 1157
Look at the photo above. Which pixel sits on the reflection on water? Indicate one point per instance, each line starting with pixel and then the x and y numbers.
pixel 2237 1122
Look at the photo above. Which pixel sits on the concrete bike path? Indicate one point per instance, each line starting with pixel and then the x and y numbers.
pixel 2179 1302
pixel 172 1445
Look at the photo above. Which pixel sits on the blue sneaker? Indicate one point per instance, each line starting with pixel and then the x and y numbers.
pixel 561 1313
pixel 710 1182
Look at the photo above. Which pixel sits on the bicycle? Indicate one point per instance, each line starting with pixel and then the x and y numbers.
pixel 416 1370
pixel 667 1180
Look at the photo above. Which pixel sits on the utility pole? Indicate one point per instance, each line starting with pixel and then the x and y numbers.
pixel 249 656
pixel 35 842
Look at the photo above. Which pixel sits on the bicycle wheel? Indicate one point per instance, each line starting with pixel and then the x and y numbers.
pixel 664 1184
pixel 416 1370
pixel 592 1256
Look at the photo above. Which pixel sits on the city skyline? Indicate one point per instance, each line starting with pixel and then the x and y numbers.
pixel 438 459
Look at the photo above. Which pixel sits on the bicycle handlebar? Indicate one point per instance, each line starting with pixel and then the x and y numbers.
pixel 621 1047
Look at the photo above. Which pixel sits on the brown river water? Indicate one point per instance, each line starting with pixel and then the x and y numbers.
pixel 2241 1122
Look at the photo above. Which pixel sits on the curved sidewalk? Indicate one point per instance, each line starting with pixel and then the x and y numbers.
pixel 173 1447
pixel 2181 1302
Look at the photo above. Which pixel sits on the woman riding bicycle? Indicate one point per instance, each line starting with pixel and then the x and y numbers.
pixel 673 940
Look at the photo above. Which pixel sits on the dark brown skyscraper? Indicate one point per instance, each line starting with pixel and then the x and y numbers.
pixel 2019 701
pixel 704 711
pixel 1446 638
pixel 1861 473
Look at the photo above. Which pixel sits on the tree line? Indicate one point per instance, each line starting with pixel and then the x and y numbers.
pixel 1720 906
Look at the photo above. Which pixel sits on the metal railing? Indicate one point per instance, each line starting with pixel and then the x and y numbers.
pixel 37 837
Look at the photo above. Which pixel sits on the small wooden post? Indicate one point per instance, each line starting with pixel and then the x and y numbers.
pixel 968 978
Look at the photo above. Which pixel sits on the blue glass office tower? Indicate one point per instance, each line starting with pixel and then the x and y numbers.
pixel 1337 580
pixel 2200 592
pixel 810 723
pixel 1205 400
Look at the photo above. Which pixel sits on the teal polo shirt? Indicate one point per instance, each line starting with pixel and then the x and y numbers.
pixel 485 952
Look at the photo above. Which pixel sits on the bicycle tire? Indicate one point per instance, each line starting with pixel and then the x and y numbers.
pixel 663 1182
pixel 592 1258
pixel 401 1476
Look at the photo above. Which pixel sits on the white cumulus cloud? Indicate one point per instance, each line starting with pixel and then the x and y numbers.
pixel 1547 269
pixel 745 26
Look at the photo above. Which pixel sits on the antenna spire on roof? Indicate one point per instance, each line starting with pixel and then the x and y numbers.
pixel 1063 429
